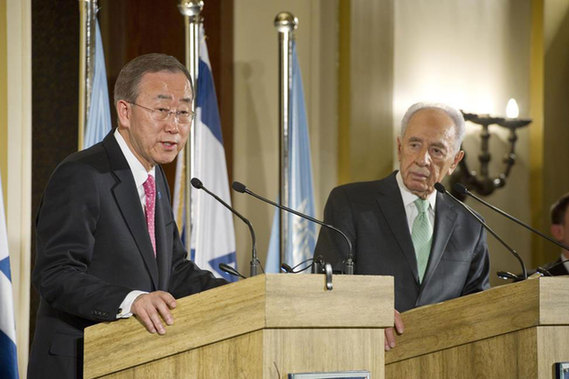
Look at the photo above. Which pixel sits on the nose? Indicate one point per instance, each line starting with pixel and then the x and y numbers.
pixel 423 158
pixel 171 124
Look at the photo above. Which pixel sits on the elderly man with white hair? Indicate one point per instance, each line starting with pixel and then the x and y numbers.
pixel 401 226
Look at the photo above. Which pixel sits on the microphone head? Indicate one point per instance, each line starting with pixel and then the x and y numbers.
pixel 287 268
pixel 196 183
pixel 239 187
pixel 460 188
pixel 230 270
pixel 439 187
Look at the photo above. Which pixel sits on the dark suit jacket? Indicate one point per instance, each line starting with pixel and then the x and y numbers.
pixel 93 248
pixel 372 215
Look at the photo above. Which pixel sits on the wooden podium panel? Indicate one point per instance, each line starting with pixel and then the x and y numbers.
pixel 272 353
pixel 265 326
pixel 517 330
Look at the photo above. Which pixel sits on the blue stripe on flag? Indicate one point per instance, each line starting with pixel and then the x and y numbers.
pixel 8 354
pixel 207 101
pixel 8 360
pixel 5 267
pixel 228 259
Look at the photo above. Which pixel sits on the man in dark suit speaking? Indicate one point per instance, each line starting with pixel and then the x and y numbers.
pixel 401 226
pixel 107 243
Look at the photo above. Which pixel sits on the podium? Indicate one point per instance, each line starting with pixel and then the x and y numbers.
pixel 263 327
pixel 517 330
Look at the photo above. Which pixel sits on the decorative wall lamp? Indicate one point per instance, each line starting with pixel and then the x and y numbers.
pixel 482 182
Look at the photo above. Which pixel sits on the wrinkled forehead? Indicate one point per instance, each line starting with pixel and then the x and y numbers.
pixel 166 85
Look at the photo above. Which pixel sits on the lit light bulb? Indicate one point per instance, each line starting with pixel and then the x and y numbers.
pixel 512 109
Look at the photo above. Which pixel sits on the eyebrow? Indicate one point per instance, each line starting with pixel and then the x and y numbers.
pixel 435 144
pixel 168 97
pixel 439 145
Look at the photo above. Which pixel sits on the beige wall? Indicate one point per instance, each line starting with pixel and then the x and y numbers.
pixel 15 155
pixel 370 95
pixel 256 106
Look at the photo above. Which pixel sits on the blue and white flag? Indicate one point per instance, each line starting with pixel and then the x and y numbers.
pixel 8 356
pixel 212 232
pixel 301 232
pixel 98 123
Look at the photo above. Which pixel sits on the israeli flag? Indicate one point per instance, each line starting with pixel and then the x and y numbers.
pixel 99 116
pixel 212 232
pixel 8 355
pixel 301 232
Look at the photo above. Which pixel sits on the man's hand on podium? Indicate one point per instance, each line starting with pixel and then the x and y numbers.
pixel 149 308
pixel 390 332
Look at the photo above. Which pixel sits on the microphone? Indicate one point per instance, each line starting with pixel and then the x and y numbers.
pixel 349 263
pixel 196 183
pixel 287 268
pixel 316 265
pixel 439 187
pixel 545 270
pixel 230 270
pixel 463 190
pixel 507 275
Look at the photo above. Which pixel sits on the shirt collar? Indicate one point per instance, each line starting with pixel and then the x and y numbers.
pixel 138 171
pixel 409 197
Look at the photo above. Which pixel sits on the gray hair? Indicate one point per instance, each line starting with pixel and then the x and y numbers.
pixel 126 85
pixel 453 113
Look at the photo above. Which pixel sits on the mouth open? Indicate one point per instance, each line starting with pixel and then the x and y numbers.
pixel 169 145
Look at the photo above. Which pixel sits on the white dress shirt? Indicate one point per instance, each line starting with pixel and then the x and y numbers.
pixel 140 175
pixel 409 198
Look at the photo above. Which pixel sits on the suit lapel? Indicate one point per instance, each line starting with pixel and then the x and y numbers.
pixel 127 199
pixel 445 217
pixel 392 208
pixel 163 222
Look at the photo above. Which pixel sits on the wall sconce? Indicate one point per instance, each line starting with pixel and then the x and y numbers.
pixel 482 182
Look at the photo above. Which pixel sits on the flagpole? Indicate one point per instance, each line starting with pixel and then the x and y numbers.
pixel 285 23
pixel 87 14
pixel 191 10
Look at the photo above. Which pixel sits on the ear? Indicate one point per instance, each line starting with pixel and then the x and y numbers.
pixel 557 231
pixel 123 113
pixel 457 158
pixel 399 149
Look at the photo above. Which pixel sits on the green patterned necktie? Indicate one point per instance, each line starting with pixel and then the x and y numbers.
pixel 422 235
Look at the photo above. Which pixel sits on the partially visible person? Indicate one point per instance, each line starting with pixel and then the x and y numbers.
pixel 560 231
pixel 107 243
pixel 401 226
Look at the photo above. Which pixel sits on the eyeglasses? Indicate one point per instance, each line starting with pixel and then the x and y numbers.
pixel 160 114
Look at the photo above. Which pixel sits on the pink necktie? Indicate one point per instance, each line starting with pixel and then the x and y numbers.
pixel 150 192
